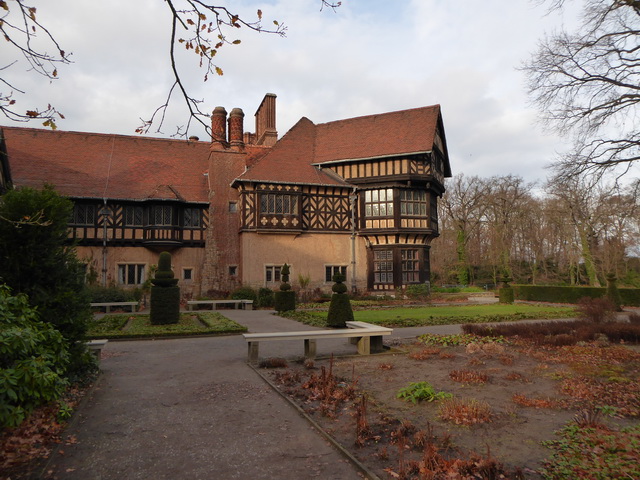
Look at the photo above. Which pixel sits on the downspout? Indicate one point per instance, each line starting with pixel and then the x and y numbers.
pixel 352 200
pixel 105 218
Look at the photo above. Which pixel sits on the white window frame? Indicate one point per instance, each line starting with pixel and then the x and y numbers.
pixel 335 268
pixel 276 276
pixel 140 273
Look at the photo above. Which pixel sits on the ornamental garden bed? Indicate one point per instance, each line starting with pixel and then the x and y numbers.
pixel 472 406
pixel 139 326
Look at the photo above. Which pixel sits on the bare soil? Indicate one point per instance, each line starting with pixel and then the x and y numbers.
pixel 524 389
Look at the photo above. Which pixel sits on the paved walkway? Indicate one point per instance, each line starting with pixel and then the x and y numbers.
pixel 193 409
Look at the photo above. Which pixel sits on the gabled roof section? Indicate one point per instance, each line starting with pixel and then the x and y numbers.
pixel 290 160
pixel 300 155
pixel 108 166
pixel 381 135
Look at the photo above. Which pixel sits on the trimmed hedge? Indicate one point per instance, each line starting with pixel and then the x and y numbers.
pixel 165 305
pixel 285 301
pixel 561 294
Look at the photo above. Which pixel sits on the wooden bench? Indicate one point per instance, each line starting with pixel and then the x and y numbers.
pixel 108 305
pixel 367 336
pixel 96 346
pixel 242 304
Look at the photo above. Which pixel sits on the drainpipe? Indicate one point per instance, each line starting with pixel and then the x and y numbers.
pixel 105 212
pixel 352 200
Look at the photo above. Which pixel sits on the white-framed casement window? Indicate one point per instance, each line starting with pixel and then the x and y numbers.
pixel 378 203
pixel 331 270
pixel 187 274
pixel 272 273
pixel 131 273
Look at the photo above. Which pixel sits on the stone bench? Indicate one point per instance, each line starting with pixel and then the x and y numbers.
pixel 96 346
pixel 368 337
pixel 237 304
pixel 119 305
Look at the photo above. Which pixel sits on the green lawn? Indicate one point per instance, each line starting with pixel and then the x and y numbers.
pixel 445 315
pixel 139 326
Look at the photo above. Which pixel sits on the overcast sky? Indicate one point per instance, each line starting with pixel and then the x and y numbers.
pixel 370 56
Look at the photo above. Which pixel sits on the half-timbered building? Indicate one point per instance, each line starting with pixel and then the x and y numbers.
pixel 356 196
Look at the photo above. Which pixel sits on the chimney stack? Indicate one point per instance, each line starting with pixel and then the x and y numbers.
pixel 266 133
pixel 236 129
pixel 219 126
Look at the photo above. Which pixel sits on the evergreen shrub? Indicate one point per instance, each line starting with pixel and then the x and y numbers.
pixel 99 294
pixel 244 293
pixel 613 294
pixel 38 260
pixel 265 297
pixel 418 291
pixel 165 294
pixel 33 359
pixel 572 294
pixel 285 299
pixel 340 310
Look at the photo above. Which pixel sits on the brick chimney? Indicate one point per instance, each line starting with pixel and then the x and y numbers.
pixel 219 127
pixel 266 133
pixel 236 129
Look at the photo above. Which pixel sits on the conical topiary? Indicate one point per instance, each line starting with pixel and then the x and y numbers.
pixel 505 292
pixel 285 299
pixel 165 294
pixel 613 294
pixel 340 311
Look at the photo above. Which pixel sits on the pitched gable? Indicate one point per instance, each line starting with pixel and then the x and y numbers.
pixel 290 160
pixel 298 157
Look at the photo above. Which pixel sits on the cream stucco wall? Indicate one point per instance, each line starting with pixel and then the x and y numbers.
pixel 307 254
pixel 181 258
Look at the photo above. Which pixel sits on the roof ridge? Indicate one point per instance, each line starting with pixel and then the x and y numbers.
pixel 437 105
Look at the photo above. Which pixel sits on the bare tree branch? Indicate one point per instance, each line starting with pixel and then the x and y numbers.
pixel 198 26
pixel 19 27
pixel 586 86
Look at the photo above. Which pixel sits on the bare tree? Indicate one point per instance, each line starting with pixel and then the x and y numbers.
pixel 507 202
pixel 586 85
pixel 196 25
pixel 464 207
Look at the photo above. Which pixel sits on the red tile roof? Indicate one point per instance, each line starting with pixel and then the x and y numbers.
pixel 289 161
pixel 393 133
pixel 112 166
pixel 292 159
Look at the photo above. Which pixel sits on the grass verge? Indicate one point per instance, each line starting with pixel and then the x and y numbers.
pixel 139 326
pixel 447 315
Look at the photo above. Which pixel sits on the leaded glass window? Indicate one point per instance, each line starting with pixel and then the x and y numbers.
pixel 378 203
pixel 383 266
pixel 413 203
